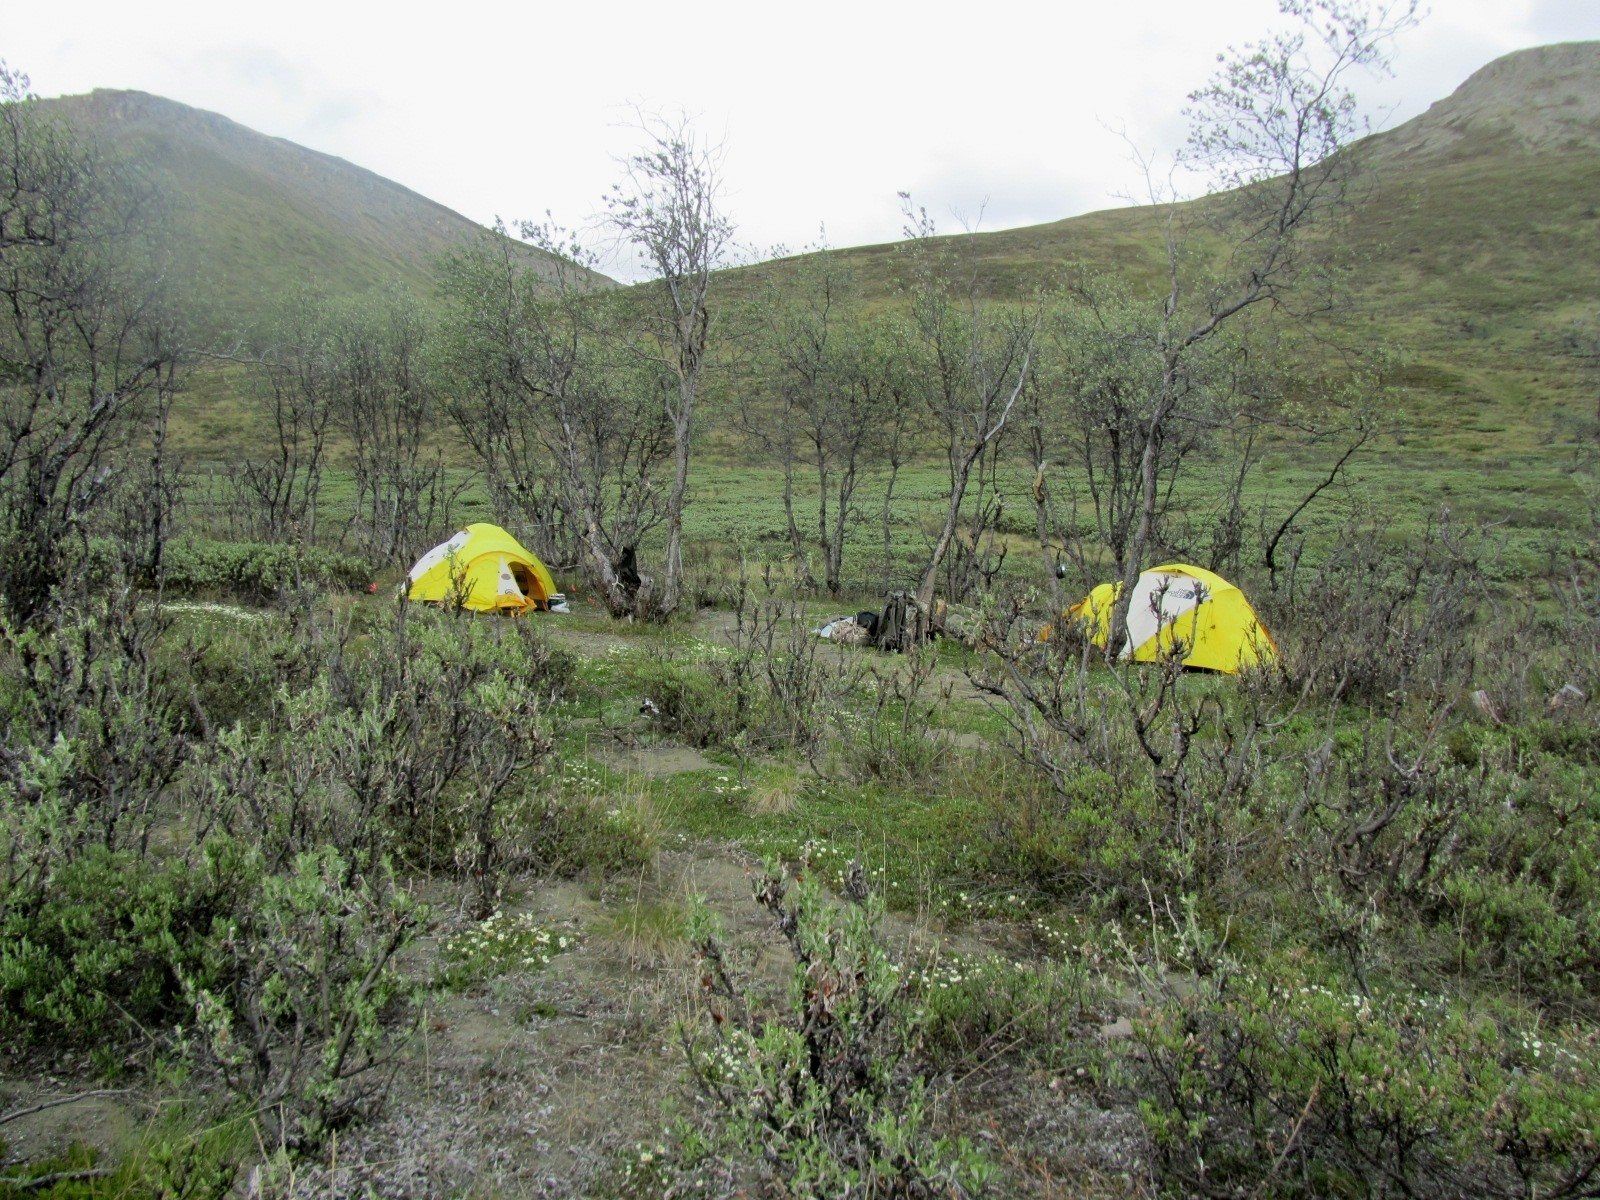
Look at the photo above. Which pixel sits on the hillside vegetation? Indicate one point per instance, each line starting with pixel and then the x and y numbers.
pixel 248 219
pixel 1472 250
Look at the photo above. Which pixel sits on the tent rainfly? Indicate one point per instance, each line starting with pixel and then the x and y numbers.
pixel 485 569
pixel 1178 607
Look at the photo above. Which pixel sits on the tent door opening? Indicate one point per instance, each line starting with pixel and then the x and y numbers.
pixel 526 583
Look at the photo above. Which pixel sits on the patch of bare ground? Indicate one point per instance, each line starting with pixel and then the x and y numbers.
pixel 1050 1140
pixel 588 643
pixel 650 761
pixel 533 1084
pixel 633 751
pixel 529 1085
pixel 47 1113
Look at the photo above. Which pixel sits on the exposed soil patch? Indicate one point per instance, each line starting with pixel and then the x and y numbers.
pixel 585 642
pixel 1053 1139
pixel 532 1084
pixel 652 761
pixel 106 1123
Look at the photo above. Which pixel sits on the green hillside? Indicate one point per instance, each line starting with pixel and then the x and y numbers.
pixel 1476 240
pixel 247 217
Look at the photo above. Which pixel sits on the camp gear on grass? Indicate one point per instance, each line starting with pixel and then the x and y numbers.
pixel 846 630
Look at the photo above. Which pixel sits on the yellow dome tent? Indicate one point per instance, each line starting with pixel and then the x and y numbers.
pixel 486 568
pixel 1218 629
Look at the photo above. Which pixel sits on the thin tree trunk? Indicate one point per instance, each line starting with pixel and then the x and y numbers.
pixel 841 520
pixel 947 534
pixel 672 574
pixel 797 541
pixel 1147 508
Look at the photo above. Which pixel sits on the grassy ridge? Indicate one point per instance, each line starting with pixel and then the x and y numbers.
pixel 1470 251
pixel 247 218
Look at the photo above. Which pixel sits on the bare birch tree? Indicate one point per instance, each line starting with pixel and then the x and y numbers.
pixel 277 496
pixel 1273 130
pixel 967 365
pixel 1087 428
pixel 570 432
pixel 388 409
pixel 836 401
pixel 88 359
pixel 668 209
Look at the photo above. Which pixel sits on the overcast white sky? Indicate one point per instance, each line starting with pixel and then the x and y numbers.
pixel 827 109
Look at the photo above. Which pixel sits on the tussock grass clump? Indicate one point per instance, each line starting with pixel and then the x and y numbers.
pixel 654 929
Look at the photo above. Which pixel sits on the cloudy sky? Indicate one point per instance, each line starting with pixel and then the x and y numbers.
pixel 1005 109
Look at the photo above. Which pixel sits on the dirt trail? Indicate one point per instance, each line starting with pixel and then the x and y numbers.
pixel 533 1084
pixel 106 1122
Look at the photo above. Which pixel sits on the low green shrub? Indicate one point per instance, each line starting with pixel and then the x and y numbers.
pixel 1283 1082
pixel 691 704
pixel 564 835
pixel 825 1096
pixel 1520 885
pixel 231 669
pixel 970 1008
pixel 774 687
pixel 283 982
pixel 1494 862
pixel 420 738
pixel 1088 837
pixel 92 737
pixel 260 570
pixel 248 570
pixel 297 1003
pixel 1577 741
pixel 92 729
pixel 1403 837
pixel 99 951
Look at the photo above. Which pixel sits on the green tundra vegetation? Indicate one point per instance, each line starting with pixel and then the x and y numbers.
pixel 309 890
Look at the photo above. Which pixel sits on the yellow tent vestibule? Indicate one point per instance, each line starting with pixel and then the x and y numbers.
pixel 485 569
pixel 1177 607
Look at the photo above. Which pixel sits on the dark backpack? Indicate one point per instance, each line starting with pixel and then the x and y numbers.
pixel 894 627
